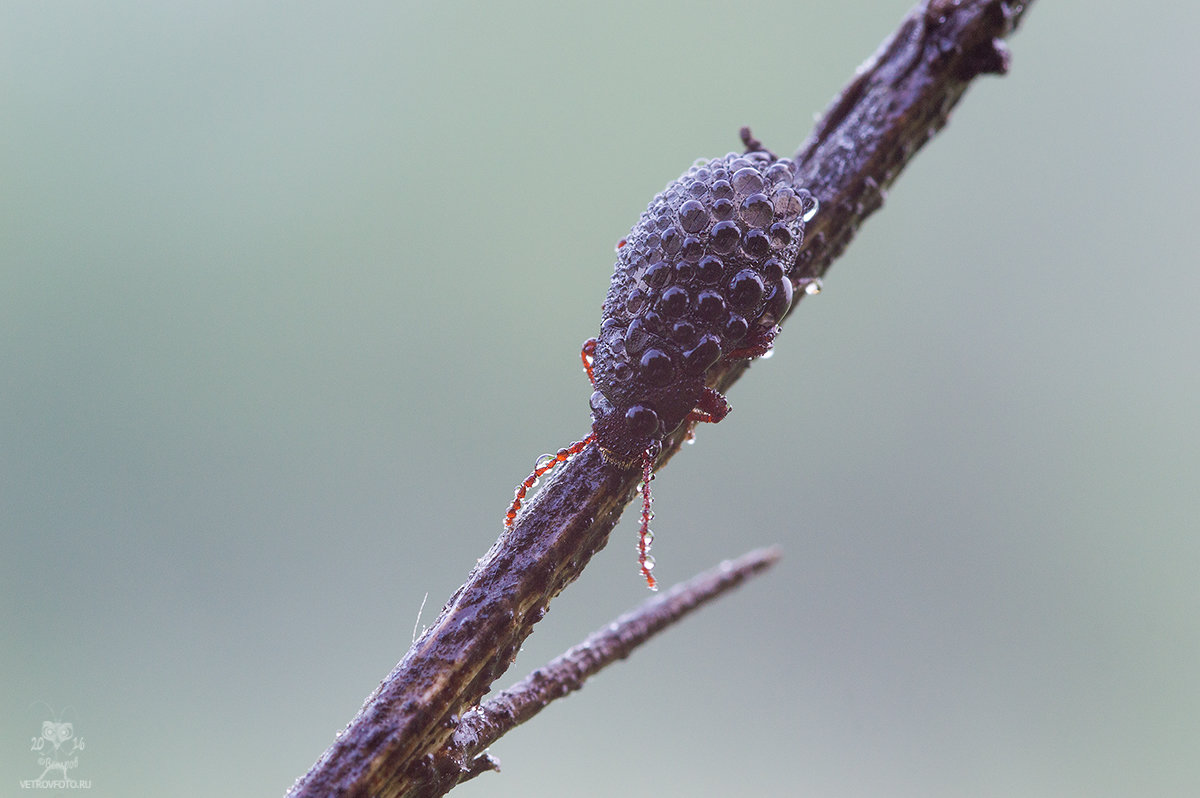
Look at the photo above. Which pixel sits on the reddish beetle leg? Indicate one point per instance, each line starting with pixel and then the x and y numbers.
pixel 588 356
pixel 711 408
pixel 757 344
pixel 548 461
pixel 544 464
pixel 645 536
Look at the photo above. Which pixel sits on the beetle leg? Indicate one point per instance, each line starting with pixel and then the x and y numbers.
pixel 757 344
pixel 645 536
pixel 588 355
pixel 711 408
pixel 544 464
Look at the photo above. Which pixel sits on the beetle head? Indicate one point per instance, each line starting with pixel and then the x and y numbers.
pixel 624 433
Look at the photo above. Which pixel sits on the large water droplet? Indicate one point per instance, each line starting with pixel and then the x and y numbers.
pixel 693 216
pixel 779 172
pixel 813 286
pixel 635 302
pixel 810 210
pixel 756 210
pixel 747 181
pixel 544 461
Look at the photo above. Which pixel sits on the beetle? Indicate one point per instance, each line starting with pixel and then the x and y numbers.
pixel 704 277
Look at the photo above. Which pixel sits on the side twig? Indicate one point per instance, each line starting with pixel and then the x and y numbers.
pixel 463 758
pixel 896 102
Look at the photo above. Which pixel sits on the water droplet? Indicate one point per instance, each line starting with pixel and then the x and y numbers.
pixel 683 333
pixel 772 270
pixel 810 210
pixel 657 274
pixel 780 235
pixel 656 367
pixel 779 172
pixel 635 302
pixel 787 204
pixel 684 270
pixel 703 354
pixel 722 208
pixel 544 461
pixel 736 328
pixel 770 353
pixel 710 269
pixel 648 538
pixel 779 300
pixel 747 180
pixel 647 564
pixel 674 301
pixel 756 210
pixel 813 286
pixel 637 337
pixel 756 244
pixel 725 236
pixel 745 289
pixel 710 305
pixel 693 216
pixel 671 241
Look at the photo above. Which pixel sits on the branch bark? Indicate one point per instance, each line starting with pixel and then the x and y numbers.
pixel 899 99
pixel 463 757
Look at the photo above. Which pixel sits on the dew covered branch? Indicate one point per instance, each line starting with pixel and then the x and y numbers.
pixel 893 105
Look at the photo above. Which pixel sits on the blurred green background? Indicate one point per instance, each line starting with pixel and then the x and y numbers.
pixel 291 297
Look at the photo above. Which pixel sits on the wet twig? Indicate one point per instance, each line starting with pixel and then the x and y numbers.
pixel 402 739
pixel 464 758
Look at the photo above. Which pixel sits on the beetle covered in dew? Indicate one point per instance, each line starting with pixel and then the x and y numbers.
pixel 705 276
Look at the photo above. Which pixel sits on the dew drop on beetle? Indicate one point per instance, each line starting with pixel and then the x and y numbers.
pixel 703 278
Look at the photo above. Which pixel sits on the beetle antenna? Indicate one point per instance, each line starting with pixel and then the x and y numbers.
pixel 543 464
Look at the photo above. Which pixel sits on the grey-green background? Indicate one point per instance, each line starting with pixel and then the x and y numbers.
pixel 292 296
